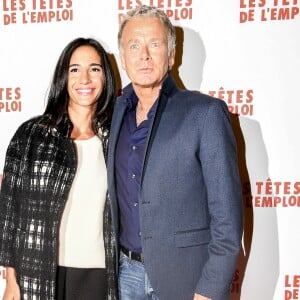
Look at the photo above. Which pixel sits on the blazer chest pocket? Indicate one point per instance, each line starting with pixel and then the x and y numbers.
pixel 191 238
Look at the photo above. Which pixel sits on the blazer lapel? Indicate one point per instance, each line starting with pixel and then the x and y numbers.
pixel 162 102
pixel 116 125
pixel 119 112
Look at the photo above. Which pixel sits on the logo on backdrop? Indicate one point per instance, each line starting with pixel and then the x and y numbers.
pixel 268 10
pixel 292 287
pixel 239 102
pixel 276 194
pixel 174 9
pixel 10 99
pixel 36 11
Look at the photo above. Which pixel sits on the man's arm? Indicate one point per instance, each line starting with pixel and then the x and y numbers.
pixel 220 170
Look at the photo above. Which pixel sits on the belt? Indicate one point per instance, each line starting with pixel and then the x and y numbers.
pixel 133 255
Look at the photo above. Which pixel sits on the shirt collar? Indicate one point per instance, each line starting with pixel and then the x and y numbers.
pixel 131 99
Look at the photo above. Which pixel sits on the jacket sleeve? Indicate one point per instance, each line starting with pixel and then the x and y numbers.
pixel 8 201
pixel 220 171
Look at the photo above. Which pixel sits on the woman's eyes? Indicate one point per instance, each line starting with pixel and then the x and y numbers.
pixel 74 70
pixel 95 69
pixel 92 69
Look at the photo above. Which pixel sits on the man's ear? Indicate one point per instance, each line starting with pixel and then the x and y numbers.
pixel 171 59
pixel 122 59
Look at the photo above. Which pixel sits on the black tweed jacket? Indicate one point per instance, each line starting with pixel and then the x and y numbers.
pixel 39 169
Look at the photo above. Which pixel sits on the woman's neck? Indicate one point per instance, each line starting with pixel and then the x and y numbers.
pixel 82 123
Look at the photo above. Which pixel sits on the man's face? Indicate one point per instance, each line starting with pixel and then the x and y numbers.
pixel 144 52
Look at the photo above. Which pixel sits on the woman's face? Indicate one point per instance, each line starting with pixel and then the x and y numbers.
pixel 85 78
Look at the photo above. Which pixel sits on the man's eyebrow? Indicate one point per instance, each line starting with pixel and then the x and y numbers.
pixel 132 41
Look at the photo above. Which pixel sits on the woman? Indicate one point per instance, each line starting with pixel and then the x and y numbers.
pixel 56 240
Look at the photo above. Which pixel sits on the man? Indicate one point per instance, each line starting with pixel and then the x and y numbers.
pixel 173 178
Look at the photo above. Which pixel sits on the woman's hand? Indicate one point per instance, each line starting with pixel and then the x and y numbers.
pixel 200 297
pixel 12 289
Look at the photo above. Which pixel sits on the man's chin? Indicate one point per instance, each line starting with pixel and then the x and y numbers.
pixel 146 84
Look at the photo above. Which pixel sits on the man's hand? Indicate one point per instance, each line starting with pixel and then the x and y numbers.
pixel 200 297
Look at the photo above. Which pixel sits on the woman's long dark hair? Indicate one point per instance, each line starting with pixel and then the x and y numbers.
pixel 58 97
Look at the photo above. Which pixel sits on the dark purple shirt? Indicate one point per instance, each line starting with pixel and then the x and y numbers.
pixel 130 154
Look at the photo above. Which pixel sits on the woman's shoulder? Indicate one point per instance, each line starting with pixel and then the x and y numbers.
pixel 32 124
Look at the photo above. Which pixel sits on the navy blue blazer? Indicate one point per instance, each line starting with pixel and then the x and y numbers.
pixel 190 199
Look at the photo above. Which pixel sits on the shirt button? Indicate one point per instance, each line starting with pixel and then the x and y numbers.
pixel 133 176
pixel 133 147
pixel 135 204
pixel 140 234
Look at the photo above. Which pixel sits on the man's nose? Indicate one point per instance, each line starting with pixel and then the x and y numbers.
pixel 145 55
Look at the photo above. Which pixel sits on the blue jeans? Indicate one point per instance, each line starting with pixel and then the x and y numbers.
pixel 133 281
